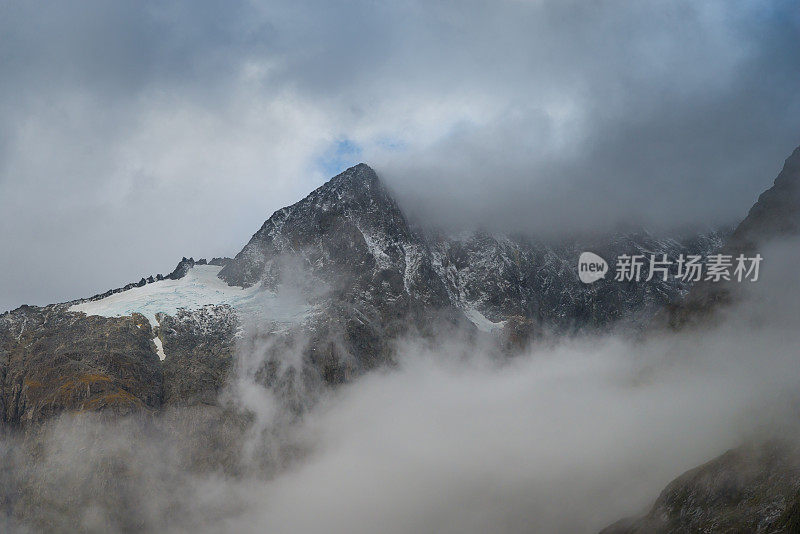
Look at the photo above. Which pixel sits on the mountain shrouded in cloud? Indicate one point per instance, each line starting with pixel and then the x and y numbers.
pixel 185 403
pixel 431 329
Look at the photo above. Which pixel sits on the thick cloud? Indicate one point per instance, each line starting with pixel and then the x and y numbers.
pixel 665 116
pixel 133 135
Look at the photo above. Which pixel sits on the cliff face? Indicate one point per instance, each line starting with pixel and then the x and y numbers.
pixel 53 361
pixel 753 488
pixel 777 211
pixel 201 346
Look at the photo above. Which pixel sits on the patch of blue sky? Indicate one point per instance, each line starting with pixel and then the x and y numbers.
pixel 339 155
pixel 392 144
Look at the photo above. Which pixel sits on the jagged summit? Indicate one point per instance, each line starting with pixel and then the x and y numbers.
pixel 359 174
pixel 350 234
pixel 349 196
pixel 359 187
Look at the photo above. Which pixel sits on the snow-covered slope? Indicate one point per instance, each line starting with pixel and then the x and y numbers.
pixel 199 287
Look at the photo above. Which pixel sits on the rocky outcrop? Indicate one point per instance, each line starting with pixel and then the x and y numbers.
pixel 182 268
pixel 198 347
pixel 53 361
pixel 749 489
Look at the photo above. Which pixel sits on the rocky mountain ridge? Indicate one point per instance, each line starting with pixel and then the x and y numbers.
pixel 351 236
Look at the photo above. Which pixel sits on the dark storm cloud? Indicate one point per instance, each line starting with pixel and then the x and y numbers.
pixel 133 134
pixel 672 116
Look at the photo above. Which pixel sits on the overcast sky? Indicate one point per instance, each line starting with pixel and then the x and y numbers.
pixel 137 133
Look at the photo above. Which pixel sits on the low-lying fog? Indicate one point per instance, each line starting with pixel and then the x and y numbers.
pixel 565 438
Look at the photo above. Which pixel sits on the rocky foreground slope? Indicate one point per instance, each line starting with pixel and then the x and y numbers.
pixel 753 488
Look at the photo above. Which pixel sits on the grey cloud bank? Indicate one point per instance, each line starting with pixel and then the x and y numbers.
pixel 133 135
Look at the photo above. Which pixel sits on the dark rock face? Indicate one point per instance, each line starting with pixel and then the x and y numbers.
pixel 504 277
pixel 749 489
pixel 351 236
pixel 777 211
pixel 181 269
pixel 54 361
pixel 199 347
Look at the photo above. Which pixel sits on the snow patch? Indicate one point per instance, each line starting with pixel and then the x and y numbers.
pixel 198 288
pixel 482 322
pixel 376 248
pixel 159 348
pixel 413 260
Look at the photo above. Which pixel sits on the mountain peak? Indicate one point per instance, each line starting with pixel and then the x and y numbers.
pixel 361 169
pixel 351 211
pixel 350 234
pixel 358 176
